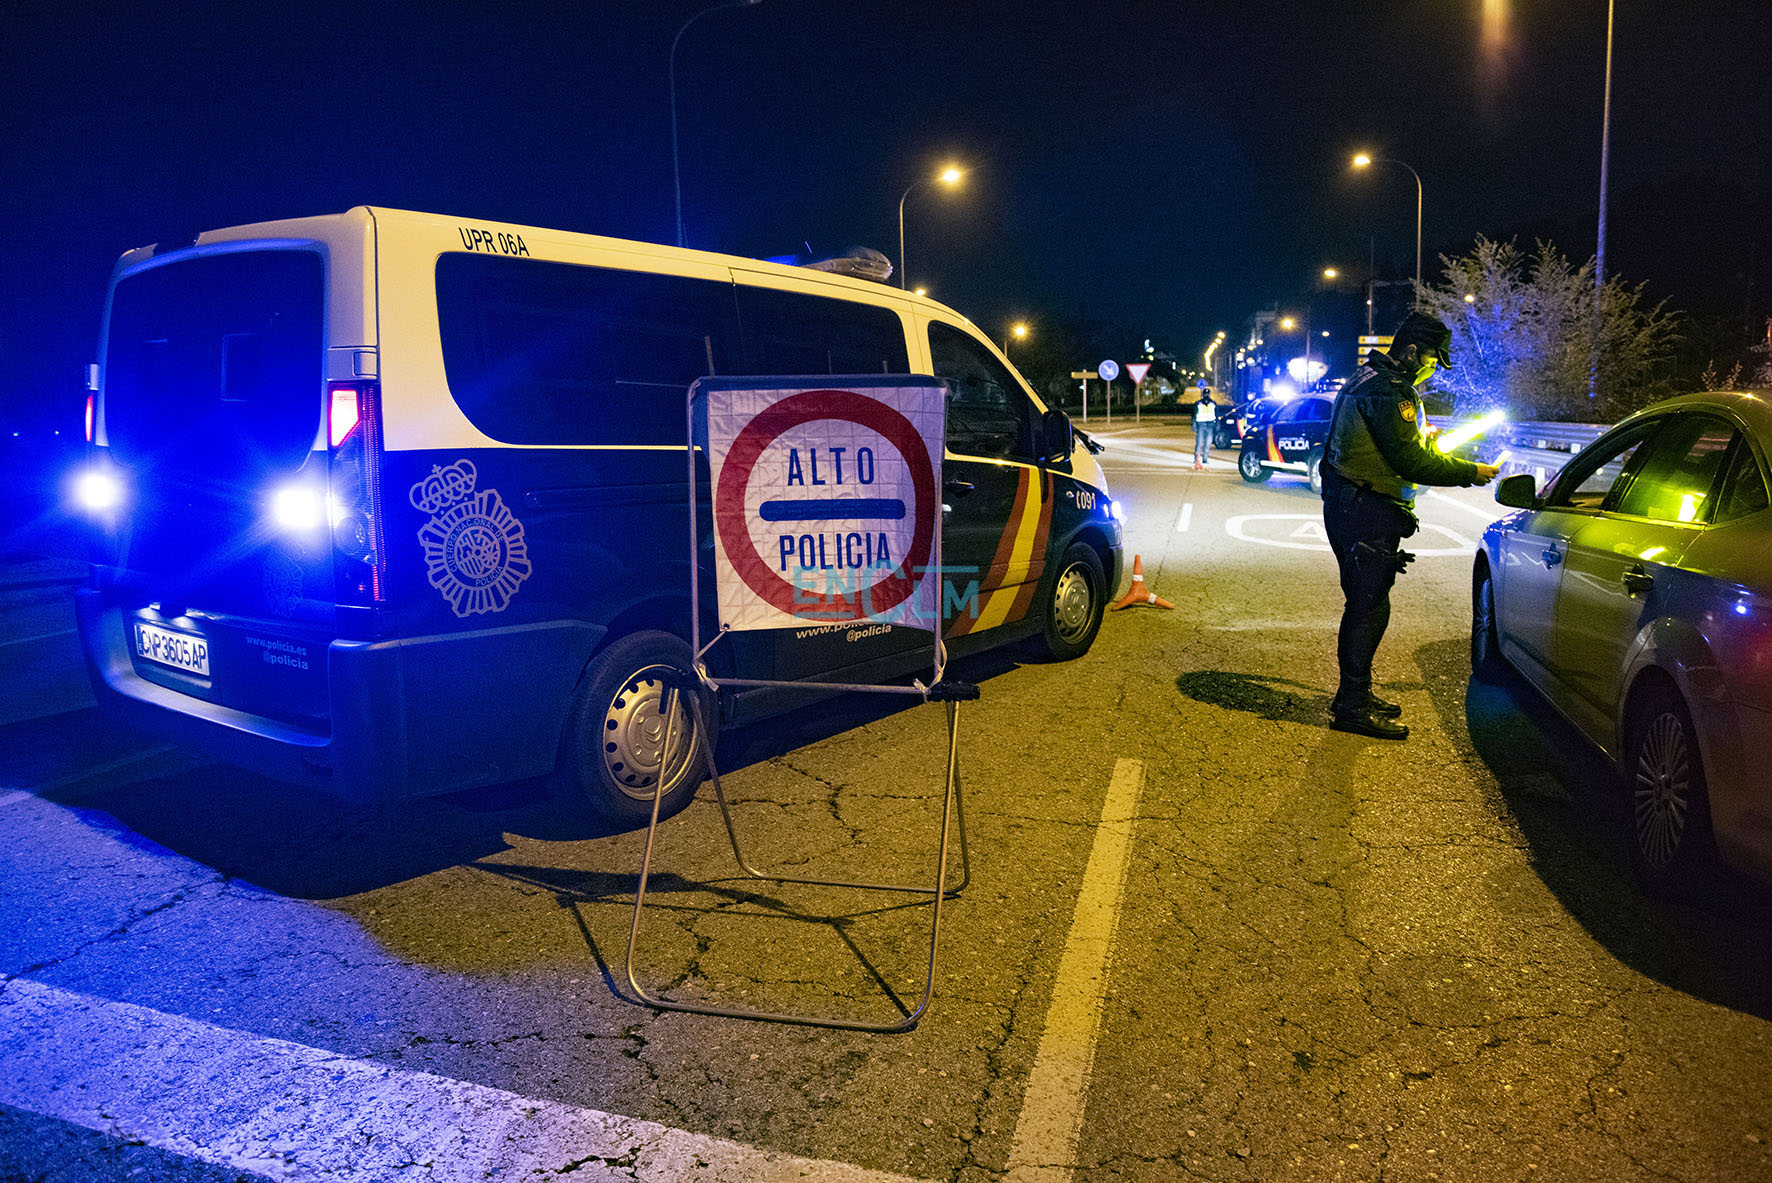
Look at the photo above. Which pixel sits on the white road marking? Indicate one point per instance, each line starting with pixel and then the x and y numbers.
pixel 292 1112
pixel 1051 1121
pixel 66 632
pixel 1488 515
pixel 80 774
pixel 1238 527
pixel 1187 516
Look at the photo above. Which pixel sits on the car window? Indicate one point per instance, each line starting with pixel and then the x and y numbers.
pixel 988 415
pixel 1744 489
pixel 1677 478
pixel 1586 480
pixel 1316 410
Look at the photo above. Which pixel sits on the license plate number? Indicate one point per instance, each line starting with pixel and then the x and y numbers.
pixel 181 651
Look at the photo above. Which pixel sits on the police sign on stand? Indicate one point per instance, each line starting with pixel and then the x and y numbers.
pixel 826 499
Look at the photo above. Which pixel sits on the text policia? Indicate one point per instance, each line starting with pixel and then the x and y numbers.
pixel 823 560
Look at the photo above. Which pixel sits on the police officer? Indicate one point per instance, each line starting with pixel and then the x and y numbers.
pixel 1377 450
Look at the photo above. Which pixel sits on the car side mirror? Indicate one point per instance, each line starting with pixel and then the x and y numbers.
pixel 1055 436
pixel 1519 491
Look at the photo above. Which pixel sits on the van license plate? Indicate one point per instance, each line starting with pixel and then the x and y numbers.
pixel 179 650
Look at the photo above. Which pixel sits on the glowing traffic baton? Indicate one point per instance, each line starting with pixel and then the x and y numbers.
pixel 1470 431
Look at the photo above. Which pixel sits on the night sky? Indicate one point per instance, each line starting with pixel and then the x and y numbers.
pixel 1169 166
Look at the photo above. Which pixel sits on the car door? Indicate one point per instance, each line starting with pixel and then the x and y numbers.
pixel 995 499
pixel 1532 554
pixel 1617 559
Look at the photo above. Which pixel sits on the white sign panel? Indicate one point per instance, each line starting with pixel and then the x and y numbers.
pixel 826 499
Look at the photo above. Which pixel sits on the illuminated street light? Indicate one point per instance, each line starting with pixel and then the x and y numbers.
pixel 1364 161
pixel 949 176
pixel 1017 331
pixel 1330 273
pixel 676 172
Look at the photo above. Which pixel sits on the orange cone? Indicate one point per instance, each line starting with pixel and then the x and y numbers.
pixel 1138 593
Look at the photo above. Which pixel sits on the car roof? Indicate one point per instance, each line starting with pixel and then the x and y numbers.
pixel 1751 407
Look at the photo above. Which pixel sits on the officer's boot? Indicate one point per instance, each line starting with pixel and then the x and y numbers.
pixel 1364 717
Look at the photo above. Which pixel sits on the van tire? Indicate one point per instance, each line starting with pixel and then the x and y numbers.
pixel 612 753
pixel 1071 601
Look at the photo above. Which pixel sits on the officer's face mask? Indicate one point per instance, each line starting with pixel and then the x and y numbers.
pixel 1425 366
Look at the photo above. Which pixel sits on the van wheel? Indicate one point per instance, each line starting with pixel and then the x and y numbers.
pixel 614 751
pixel 1313 465
pixel 1249 466
pixel 1073 601
pixel 1671 841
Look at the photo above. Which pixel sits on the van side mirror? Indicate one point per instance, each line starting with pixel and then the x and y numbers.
pixel 1519 491
pixel 1055 436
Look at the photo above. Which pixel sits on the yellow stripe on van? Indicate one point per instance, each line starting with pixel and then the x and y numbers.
pixel 996 608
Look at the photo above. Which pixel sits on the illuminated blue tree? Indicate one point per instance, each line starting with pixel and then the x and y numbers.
pixel 1523 335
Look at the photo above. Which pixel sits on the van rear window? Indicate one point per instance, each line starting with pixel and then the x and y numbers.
pixel 216 362
pixel 558 353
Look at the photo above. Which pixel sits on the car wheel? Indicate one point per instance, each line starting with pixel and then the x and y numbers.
pixel 1221 437
pixel 1249 466
pixel 1670 808
pixel 1073 601
pixel 614 753
pixel 1487 664
pixel 1313 465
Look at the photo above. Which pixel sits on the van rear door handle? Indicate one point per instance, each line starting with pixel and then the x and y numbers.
pixel 1637 581
pixel 1552 556
pixel 958 487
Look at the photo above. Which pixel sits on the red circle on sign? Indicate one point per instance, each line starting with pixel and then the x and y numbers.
pixel 735 478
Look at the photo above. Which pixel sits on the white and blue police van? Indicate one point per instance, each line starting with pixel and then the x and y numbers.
pixel 396 504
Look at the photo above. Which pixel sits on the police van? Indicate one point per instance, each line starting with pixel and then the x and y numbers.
pixel 396 504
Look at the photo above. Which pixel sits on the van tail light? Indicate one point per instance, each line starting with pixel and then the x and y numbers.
pixel 353 436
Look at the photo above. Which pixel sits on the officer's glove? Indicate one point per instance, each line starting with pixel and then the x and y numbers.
pixel 1402 560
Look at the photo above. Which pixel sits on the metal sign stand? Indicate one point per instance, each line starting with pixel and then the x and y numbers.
pixel 687 686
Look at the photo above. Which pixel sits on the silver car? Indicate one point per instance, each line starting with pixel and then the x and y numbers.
pixel 1636 594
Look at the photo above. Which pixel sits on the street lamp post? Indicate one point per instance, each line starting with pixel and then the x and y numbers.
pixel 1362 161
pixel 1593 367
pixel 949 176
pixel 676 169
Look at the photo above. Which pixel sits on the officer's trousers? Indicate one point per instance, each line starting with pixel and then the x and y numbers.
pixel 1364 531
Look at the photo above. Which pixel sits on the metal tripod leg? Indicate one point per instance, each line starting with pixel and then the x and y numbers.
pixel 951 807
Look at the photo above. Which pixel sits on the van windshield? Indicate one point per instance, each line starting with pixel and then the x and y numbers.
pixel 214 364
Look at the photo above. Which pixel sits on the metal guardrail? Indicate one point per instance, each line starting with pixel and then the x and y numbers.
pixel 1530 446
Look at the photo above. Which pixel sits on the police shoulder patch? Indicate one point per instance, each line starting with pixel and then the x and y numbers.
pixel 1407 409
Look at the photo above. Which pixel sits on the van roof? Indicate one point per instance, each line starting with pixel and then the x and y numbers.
pixel 388 220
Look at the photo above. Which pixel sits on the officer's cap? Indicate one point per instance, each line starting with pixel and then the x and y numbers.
pixel 1424 332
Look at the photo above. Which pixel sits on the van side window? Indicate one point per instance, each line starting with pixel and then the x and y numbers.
pixel 988 415
pixel 796 333
pixel 539 352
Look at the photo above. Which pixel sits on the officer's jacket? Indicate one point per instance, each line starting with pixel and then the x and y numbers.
pixel 1375 435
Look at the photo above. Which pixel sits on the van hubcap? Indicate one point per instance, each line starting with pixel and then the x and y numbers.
pixel 1072 603
pixel 1663 790
pixel 636 729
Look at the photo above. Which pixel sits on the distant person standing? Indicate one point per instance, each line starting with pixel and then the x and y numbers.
pixel 1376 451
pixel 1205 424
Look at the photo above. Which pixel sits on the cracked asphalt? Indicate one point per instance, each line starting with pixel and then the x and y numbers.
pixel 1336 958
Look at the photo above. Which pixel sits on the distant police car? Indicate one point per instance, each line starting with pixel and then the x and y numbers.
pixel 1291 439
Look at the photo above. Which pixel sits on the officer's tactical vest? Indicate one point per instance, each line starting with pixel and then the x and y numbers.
pixel 1352 450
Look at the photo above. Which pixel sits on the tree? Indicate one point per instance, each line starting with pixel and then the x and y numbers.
pixel 1524 335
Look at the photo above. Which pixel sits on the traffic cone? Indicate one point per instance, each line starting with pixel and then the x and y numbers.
pixel 1138 593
